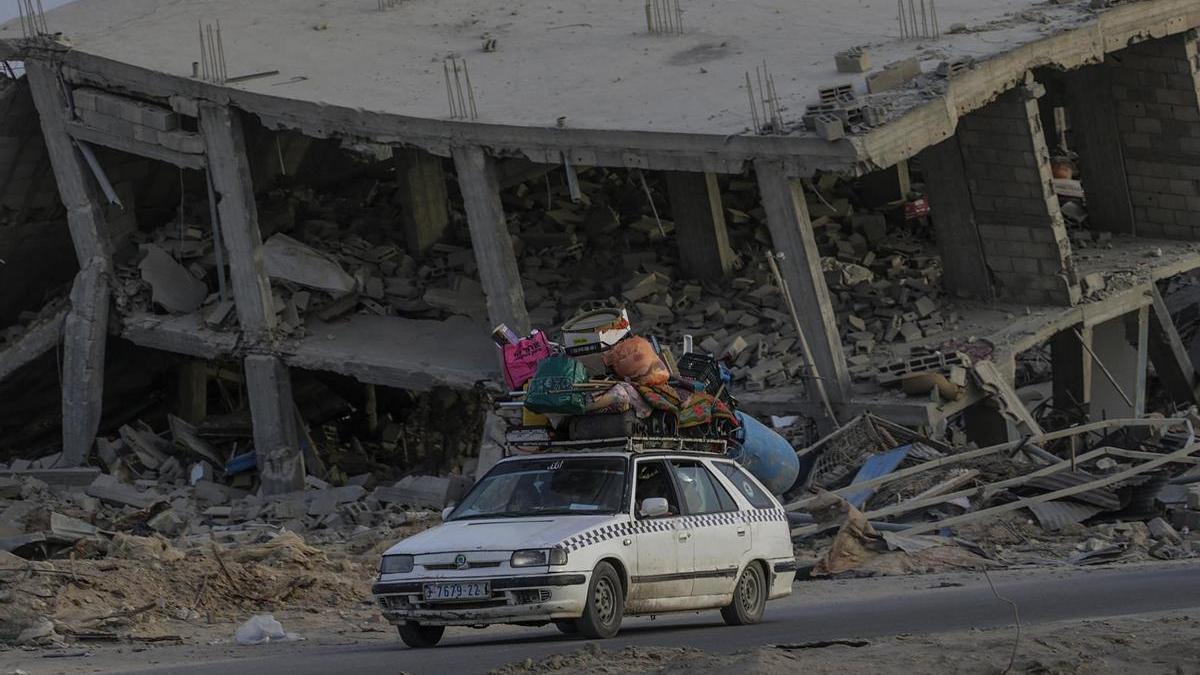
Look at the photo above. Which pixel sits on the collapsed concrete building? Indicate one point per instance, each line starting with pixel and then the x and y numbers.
pixel 221 101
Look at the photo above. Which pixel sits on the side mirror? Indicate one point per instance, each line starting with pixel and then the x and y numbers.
pixel 653 507
pixel 447 511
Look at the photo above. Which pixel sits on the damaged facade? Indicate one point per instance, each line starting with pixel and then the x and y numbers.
pixel 328 239
pixel 234 272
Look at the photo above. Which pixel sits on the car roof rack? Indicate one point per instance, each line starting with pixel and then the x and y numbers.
pixel 637 444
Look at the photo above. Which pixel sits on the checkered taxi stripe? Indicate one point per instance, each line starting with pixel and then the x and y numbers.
pixel 604 533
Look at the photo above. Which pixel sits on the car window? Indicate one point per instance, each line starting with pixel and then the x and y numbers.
pixel 547 486
pixel 654 481
pixel 701 492
pixel 746 485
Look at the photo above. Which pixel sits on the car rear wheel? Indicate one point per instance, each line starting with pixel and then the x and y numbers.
pixel 605 604
pixel 567 626
pixel 418 637
pixel 749 598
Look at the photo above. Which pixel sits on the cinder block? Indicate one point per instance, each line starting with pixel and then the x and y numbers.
pixel 182 141
pixel 84 98
pixel 894 75
pixel 853 60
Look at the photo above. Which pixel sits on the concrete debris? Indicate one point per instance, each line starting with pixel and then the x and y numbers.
pixel 1066 479
pixel 172 286
pixel 291 261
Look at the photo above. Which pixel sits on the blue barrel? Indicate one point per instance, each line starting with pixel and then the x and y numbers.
pixel 765 454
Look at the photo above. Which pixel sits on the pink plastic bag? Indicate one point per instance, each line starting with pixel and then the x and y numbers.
pixel 521 360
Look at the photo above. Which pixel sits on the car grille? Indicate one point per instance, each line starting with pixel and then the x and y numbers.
pixel 470 566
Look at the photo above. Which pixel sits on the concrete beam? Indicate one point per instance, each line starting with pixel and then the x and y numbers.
pixel 1093 114
pixel 36 341
pixel 704 251
pixel 273 414
pixel 498 272
pixel 964 265
pixel 75 185
pixel 792 234
pixel 134 146
pixel 1169 355
pixel 229 171
pixel 85 335
pixel 423 211
pixel 652 150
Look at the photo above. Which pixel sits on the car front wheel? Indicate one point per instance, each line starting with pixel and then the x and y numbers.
pixel 749 598
pixel 605 604
pixel 418 637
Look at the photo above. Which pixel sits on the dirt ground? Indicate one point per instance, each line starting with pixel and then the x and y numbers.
pixel 1161 643
pixel 326 614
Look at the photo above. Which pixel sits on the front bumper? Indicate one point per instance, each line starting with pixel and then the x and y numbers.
pixel 517 599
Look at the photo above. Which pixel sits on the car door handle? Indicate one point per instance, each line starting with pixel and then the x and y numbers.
pixel 684 536
pixel 741 531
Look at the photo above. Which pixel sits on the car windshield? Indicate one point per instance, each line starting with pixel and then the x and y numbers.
pixel 549 486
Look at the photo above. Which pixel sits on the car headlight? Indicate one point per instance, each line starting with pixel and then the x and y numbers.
pixel 396 564
pixel 538 557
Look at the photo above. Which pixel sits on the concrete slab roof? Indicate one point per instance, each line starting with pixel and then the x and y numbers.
pixel 592 63
pixel 590 67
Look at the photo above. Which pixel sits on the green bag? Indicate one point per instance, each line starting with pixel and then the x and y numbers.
pixel 552 389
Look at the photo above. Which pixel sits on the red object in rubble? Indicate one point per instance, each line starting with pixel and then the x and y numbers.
pixel 917 208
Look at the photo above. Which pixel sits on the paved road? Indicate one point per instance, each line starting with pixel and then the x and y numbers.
pixel 1041 596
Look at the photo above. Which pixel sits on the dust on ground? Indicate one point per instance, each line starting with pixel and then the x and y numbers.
pixel 1161 643
pixel 148 592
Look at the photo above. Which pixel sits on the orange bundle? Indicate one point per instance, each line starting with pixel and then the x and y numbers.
pixel 634 359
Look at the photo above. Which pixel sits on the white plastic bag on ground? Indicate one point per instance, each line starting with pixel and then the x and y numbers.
pixel 261 629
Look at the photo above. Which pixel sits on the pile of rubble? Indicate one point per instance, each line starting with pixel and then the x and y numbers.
pixel 181 552
pixel 329 253
pixel 882 499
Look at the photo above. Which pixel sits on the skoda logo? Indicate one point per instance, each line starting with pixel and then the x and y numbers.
pixel 460 561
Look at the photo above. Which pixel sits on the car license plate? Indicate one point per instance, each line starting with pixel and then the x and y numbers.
pixel 465 590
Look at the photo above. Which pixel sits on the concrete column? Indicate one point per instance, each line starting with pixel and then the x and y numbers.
pixel 1007 167
pixel 192 391
pixel 85 328
pixel 498 272
pixel 76 187
pixel 1071 368
pixel 704 251
pixel 1120 346
pixel 792 234
pixel 964 265
pixel 276 443
pixel 1154 86
pixel 1093 114
pixel 229 171
pixel 1169 355
pixel 424 215
pixel 85 336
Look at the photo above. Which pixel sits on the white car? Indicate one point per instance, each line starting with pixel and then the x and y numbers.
pixel 583 539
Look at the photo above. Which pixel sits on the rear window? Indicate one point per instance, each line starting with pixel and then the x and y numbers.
pixel 746 485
